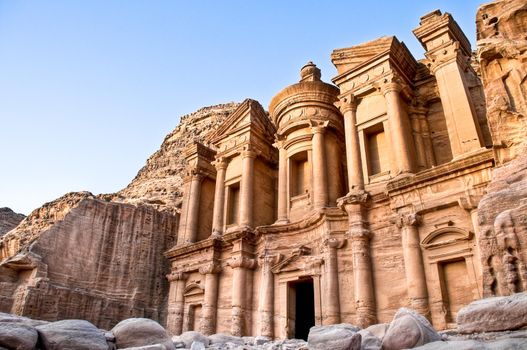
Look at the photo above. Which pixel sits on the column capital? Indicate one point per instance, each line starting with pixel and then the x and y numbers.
pixel 177 276
pixel 212 267
pixel 354 196
pixel 220 163
pixel 242 261
pixel 318 127
pixel 334 243
pixel 248 152
pixel 269 259
pixel 469 202
pixel 194 174
pixel 390 86
pixel 451 52
pixel 347 102
pixel 409 219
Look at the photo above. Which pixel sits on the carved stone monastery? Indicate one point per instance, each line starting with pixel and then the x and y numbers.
pixel 346 201
pixel 403 183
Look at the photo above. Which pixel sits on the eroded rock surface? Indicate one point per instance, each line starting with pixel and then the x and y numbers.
pixel 71 334
pixel 408 330
pixel 9 220
pixel 502 53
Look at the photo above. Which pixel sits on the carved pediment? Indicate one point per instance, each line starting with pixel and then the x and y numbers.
pixel 249 116
pixel 193 288
pixel 445 236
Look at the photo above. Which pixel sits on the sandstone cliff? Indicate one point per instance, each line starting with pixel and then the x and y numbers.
pixel 100 258
pixel 502 212
pixel 9 220
pixel 502 54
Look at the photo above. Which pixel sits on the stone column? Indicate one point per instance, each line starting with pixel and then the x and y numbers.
pixel 402 143
pixel 283 194
pixel 240 266
pixel 266 300
pixel 219 198
pixel 192 212
pixel 176 302
pixel 247 188
pixel 320 187
pixel 413 264
pixel 415 115
pixel 332 312
pixel 210 299
pixel 427 141
pixel 348 107
pixel 461 119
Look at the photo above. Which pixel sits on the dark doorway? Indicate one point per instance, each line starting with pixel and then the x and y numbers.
pixel 304 307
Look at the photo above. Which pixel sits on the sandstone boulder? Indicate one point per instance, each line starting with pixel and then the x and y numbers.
pixel 16 335
pixel 140 332
pixel 378 330
pixel 222 338
pixel 494 314
pixel 504 344
pixel 191 336
pixel 408 330
pixel 21 319
pixel 71 334
pixel 341 336
pixel 369 341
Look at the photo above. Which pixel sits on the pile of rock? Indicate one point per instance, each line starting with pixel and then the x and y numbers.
pixel 488 324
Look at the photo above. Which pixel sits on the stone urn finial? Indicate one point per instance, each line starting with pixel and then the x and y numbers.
pixel 310 72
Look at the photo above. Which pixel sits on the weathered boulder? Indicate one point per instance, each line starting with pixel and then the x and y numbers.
pixel 341 336
pixel 494 314
pixel 191 336
pixel 369 341
pixel 378 330
pixel 508 344
pixel 148 347
pixel 137 332
pixel 222 338
pixel 197 345
pixel 408 330
pixel 21 319
pixel 286 344
pixel 16 335
pixel 71 334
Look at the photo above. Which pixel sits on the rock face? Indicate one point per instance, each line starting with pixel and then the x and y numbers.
pixel 103 252
pixel 502 53
pixel 9 220
pixel 494 314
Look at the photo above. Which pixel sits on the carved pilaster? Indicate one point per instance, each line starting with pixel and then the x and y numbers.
pixel 240 265
pixel 332 295
pixel 176 302
pixel 210 299
pixel 320 183
pixel 360 247
pixel 266 300
pixel 413 262
pixel 219 197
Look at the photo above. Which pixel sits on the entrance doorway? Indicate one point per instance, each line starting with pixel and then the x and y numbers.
pixel 301 308
pixel 457 291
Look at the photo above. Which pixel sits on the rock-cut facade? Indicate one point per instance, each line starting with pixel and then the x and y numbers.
pixel 347 201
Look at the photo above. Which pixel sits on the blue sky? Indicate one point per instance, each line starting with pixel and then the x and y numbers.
pixel 89 89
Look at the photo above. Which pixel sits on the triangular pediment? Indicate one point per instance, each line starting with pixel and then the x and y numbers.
pixel 248 117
